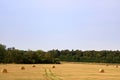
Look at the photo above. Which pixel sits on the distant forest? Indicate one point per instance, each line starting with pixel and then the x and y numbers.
pixel 12 55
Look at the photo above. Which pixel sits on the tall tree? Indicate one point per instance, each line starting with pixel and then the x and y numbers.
pixel 2 53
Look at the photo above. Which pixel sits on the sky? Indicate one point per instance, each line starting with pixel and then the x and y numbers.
pixel 60 24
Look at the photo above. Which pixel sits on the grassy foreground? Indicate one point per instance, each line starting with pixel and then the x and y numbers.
pixel 65 71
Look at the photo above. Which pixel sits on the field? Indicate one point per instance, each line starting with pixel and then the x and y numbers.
pixel 64 71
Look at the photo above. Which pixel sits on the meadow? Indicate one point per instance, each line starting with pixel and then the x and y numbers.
pixel 64 71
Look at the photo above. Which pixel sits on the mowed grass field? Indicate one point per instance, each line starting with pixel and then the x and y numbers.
pixel 64 71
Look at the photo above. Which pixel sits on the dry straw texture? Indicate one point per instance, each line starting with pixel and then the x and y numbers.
pixel 116 66
pixel 33 66
pixel 53 66
pixel 22 68
pixel 101 70
pixel 4 71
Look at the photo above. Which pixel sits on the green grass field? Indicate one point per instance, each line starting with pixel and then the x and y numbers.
pixel 64 71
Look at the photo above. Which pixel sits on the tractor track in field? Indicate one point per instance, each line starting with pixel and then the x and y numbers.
pixel 50 75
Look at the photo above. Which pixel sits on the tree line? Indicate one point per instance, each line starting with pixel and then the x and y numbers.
pixel 12 55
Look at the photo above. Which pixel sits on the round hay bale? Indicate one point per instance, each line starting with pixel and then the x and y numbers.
pixel 33 66
pixel 116 66
pixel 107 65
pixel 53 66
pixel 4 71
pixel 22 68
pixel 101 70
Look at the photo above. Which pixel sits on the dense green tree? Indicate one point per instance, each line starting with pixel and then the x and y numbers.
pixel 2 53
pixel 12 55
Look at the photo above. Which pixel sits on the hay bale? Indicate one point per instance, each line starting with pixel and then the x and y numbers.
pixel 116 66
pixel 101 70
pixel 53 66
pixel 4 71
pixel 107 65
pixel 33 66
pixel 22 68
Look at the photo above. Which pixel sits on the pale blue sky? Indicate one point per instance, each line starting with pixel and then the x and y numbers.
pixel 60 24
